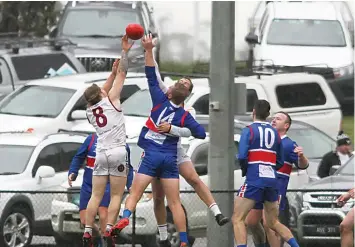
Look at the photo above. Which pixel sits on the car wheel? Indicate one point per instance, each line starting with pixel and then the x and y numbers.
pixel 16 228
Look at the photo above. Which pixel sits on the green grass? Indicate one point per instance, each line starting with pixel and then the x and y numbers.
pixel 348 126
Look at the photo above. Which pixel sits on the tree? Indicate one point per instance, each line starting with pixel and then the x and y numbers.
pixel 27 18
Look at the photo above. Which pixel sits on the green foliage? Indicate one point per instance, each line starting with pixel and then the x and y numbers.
pixel 28 17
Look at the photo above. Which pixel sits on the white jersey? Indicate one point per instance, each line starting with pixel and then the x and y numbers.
pixel 109 124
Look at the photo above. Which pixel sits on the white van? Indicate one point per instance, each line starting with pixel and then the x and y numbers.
pixel 314 34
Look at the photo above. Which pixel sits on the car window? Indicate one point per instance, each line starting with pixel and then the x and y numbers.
pixel 31 67
pixel 98 22
pixel 308 32
pixel 49 156
pixel 128 91
pixel 200 155
pixel 5 77
pixel 37 101
pixel 81 104
pixel 347 169
pixel 68 151
pixel 201 106
pixel 16 157
pixel 298 95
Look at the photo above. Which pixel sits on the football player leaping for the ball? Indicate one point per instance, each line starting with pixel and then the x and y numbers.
pixel 104 113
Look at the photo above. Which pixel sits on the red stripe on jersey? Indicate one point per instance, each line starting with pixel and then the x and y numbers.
pixel 151 125
pixel 286 169
pixel 156 107
pixel 262 156
pixel 90 162
pixel 183 118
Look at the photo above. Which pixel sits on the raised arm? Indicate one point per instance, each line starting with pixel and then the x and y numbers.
pixel 109 82
pixel 115 92
pixel 157 95
pixel 298 158
pixel 160 81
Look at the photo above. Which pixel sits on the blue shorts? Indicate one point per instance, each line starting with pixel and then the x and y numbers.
pixel 158 164
pixel 281 199
pixel 259 195
pixel 85 195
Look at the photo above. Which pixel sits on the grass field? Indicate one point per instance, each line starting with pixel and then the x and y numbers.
pixel 348 126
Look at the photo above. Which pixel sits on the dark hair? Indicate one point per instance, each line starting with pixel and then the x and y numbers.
pixel 262 109
pixel 179 93
pixel 92 94
pixel 288 119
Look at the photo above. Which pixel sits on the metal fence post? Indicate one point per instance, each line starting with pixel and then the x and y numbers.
pixel 133 228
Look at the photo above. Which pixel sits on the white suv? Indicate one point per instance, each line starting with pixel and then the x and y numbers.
pixel 32 163
pixel 56 103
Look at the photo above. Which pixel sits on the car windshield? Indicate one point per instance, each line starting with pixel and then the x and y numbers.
pixel 98 22
pixel 300 32
pixel 14 158
pixel 37 101
pixel 131 108
pixel 347 169
pixel 31 67
pixel 315 143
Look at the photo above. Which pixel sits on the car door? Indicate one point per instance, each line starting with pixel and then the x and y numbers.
pixel 48 156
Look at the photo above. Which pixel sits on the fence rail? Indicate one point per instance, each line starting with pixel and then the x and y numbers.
pixel 312 215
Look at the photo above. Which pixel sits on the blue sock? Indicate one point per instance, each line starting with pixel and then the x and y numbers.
pixel 260 245
pixel 183 237
pixel 293 243
pixel 126 213
pixel 242 245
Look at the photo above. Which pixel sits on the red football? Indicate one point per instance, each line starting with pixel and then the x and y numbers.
pixel 134 31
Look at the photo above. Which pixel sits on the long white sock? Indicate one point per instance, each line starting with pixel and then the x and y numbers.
pixel 88 229
pixel 108 227
pixel 215 209
pixel 163 232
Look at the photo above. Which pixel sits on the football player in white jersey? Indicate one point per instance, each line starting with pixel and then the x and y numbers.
pixel 105 114
pixel 186 169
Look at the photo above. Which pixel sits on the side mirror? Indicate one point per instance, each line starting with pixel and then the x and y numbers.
pixel 53 31
pixel 78 115
pixel 44 172
pixel 333 169
pixel 201 169
pixel 252 39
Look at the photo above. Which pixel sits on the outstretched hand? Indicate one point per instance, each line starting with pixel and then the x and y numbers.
pixel 126 46
pixel 148 42
pixel 115 66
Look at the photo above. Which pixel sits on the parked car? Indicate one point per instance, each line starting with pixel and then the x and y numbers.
pixel 195 209
pixel 319 215
pixel 97 28
pixel 56 103
pixel 19 64
pixel 306 97
pixel 321 40
pixel 33 162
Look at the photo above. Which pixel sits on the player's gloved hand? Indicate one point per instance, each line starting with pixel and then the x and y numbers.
pixel 243 167
pixel 71 178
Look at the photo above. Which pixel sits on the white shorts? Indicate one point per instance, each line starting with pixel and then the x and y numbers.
pixel 111 162
pixel 182 156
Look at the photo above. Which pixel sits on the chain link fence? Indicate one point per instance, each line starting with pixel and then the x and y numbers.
pixel 52 218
